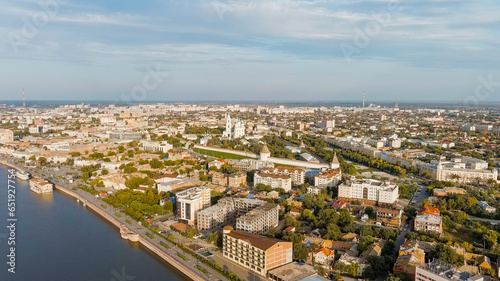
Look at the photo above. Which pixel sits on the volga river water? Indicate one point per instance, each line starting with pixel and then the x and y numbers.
pixel 60 240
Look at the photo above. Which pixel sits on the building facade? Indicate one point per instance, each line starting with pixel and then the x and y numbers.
pixel 257 253
pixel 369 191
pixel 259 220
pixel 275 181
pixel 190 202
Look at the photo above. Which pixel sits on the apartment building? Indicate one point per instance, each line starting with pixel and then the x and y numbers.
pixel 236 180
pixel 369 191
pixel 257 253
pixel 6 136
pixel 428 223
pixel 389 217
pixel 328 178
pixel 224 213
pixel 275 181
pixel 298 175
pixel 260 219
pixel 437 270
pixel 156 146
pixel 410 257
pixel 190 202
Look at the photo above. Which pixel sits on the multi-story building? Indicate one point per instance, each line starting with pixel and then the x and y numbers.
pixel 429 223
pixel 156 146
pixel 410 257
pixel 275 181
pixel 219 179
pixel 437 270
pixel 41 186
pixel 298 175
pixel 190 201
pixel 429 219
pixel 6 136
pixel 328 178
pixel 260 219
pixel 389 217
pixel 215 217
pixel 225 212
pixel 369 191
pixel 253 164
pixel 463 175
pixel 257 253
pixel 237 179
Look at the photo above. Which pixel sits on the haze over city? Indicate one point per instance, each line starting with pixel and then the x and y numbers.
pixel 249 50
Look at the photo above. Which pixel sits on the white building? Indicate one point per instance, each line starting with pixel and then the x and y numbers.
pixel 239 129
pixel 298 175
pixel 190 201
pixel 369 191
pixel 275 181
pixel 156 146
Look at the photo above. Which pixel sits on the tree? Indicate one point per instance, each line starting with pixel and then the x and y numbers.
pixel 333 232
pixel 370 212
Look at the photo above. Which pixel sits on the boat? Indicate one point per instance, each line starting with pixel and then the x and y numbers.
pixel 22 175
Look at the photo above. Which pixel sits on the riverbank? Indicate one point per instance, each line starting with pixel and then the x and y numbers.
pixel 185 270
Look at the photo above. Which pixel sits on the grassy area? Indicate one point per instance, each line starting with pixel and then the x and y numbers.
pixel 102 205
pixel 219 154
pixel 181 256
pixel 149 235
pixel 460 233
pixel 201 269
pixel 164 245
pixel 118 215
pixel 127 221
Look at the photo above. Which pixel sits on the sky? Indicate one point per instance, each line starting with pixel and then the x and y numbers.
pixel 251 50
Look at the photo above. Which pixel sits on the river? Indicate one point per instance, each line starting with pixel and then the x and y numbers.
pixel 60 240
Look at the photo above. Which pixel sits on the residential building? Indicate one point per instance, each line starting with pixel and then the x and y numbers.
pixel 486 206
pixel 323 256
pixel 6 136
pixel 410 257
pixel 389 217
pixel 429 223
pixel 237 179
pixel 190 201
pixel 369 191
pixel 275 181
pixel 257 253
pixel 260 219
pixel 297 175
pixel 440 271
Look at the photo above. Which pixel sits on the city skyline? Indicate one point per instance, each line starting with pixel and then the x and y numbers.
pixel 329 51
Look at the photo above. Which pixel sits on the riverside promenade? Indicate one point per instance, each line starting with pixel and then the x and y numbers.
pixel 188 272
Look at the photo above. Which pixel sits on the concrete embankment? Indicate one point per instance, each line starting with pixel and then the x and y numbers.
pixel 150 246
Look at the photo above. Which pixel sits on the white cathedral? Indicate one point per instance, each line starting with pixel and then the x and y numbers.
pixel 239 128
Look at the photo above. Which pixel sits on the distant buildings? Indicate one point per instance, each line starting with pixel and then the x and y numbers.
pixel 190 201
pixel 6 136
pixel 257 253
pixel 156 146
pixel 369 191
pixel 239 128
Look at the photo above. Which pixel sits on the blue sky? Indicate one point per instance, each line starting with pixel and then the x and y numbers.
pixel 417 50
